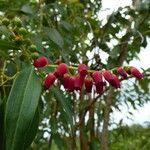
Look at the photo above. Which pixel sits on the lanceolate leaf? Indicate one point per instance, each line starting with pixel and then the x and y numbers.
pixel 6 45
pixel 21 110
pixel 4 31
pixel 64 103
pixel 55 36
pixel 31 132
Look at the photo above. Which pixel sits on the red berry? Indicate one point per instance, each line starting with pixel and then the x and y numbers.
pixel 56 74
pixel 97 77
pixel 79 80
pixel 82 70
pixel 115 81
pixel 66 80
pixel 136 73
pixel 40 62
pixel 49 80
pixel 99 88
pixel 88 85
pixel 62 69
pixel 108 75
pixel 122 72
pixel 111 78
pixel 71 82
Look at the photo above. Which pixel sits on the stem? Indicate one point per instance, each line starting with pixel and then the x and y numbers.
pixel 85 111
pixel 69 67
pixel 8 79
pixel 83 140
pixel 92 120
pixel 91 71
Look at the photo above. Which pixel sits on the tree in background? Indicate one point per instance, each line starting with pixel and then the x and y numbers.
pixel 65 31
pixel 134 136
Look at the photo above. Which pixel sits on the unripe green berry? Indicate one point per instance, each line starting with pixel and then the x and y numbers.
pixel 114 71
pixel 23 31
pixel 23 57
pixel 17 22
pixel 33 48
pixel 5 22
pixel 34 55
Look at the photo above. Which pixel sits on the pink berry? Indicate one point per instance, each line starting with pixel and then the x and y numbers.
pixel 115 81
pixel 88 85
pixel 79 80
pixel 122 72
pixel 82 70
pixel 97 77
pixel 108 75
pixel 56 74
pixel 49 80
pixel 40 62
pixel 62 69
pixel 136 73
pixel 99 88
pixel 71 82
pixel 66 80
pixel 111 78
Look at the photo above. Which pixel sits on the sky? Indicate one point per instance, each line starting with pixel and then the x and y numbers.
pixel 142 115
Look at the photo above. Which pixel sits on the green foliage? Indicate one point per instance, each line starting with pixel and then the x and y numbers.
pixel 133 137
pixel 5 45
pixel 64 103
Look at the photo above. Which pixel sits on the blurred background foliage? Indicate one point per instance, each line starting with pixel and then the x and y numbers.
pixel 71 30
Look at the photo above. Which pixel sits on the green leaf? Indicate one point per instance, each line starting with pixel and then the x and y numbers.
pixel 6 45
pixel 59 141
pixel 20 110
pixel 27 9
pixel 2 107
pixel 144 84
pixel 55 36
pixel 3 54
pixel 5 31
pixel 66 25
pixel 114 52
pixel 95 144
pixel 64 102
pixel 32 130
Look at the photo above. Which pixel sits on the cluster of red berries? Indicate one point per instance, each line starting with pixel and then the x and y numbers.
pixel 85 77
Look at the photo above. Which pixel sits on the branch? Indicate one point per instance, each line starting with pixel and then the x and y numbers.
pixel 87 108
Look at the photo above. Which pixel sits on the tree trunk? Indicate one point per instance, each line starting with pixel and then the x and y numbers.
pixel 92 122
pixel 109 99
pixel 83 140
pixel 105 132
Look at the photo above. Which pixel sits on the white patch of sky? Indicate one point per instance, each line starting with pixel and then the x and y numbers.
pixel 142 114
pixel 144 58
